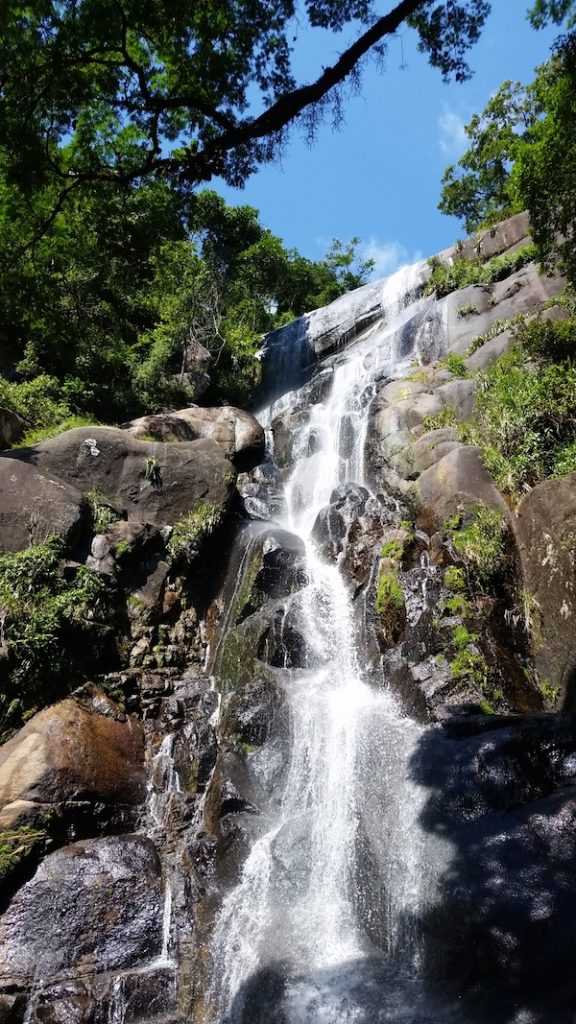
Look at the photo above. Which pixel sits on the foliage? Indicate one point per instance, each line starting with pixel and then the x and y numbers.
pixel 455 364
pixel 526 414
pixel 447 417
pixel 468 666
pixel 121 92
pixel 549 694
pixel 103 514
pixel 496 328
pixel 189 531
pixel 389 594
pixel 468 309
pixel 42 608
pixel 480 541
pixel 479 189
pixel 446 278
pixel 106 315
pixel 522 153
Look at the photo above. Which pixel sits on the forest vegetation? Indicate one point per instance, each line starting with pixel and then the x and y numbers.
pixel 115 264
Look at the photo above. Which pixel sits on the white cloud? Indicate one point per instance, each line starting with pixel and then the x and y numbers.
pixel 387 256
pixel 453 139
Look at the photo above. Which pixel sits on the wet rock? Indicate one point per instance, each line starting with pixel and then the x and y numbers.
pixel 253 711
pixel 36 505
pixel 152 482
pixel 238 433
pixel 232 811
pixel 262 492
pixel 347 503
pixel 274 635
pixel 108 892
pixel 546 535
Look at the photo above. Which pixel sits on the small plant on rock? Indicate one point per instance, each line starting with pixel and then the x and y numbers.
pixel 468 309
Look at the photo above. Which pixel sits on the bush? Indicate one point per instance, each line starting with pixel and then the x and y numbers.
pixel 481 543
pixel 526 420
pixel 456 365
pixel 446 278
pixel 42 606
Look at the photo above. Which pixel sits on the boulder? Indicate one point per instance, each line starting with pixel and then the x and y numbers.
pixel 36 505
pixel 151 482
pixel 12 426
pixel 484 356
pixel 433 446
pixel 69 753
pixel 91 907
pixel 546 535
pixel 238 433
pixel 458 479
pixel 458 394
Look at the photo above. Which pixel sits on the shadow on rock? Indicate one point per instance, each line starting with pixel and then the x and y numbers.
pixel 500 935
pixel 362 991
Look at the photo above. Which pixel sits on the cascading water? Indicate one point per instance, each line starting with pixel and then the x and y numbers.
pixel 293 920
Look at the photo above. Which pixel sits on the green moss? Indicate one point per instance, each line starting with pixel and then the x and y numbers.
pixel 393 549
pixel 192 778
pixel 468 666
pixel 462 638
pixel 18 845
pixel 389 594
pixel 549 694
pixel 455 579
pixel 481 543
pixel 486 707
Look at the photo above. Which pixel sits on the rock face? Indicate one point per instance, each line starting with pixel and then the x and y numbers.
pixel 154 483
pixel 238 433
pixel 457 479
pixel 36 505
pixel 546 531
pixel 110 893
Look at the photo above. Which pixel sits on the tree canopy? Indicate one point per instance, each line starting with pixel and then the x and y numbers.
pixel 119 89
pixel 522 155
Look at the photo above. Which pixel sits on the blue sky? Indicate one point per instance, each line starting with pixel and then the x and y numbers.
pixel 378 177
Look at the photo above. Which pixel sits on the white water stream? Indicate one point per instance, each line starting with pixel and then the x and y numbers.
pixel 347 796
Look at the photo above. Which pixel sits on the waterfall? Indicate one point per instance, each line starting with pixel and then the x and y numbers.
pixel 293 919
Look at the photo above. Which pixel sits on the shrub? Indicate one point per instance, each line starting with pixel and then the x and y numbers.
pixel 446 278
pixel 42 604
pixel 447 417
pixel 191 529
pixel 455 364
pixel 389 594
pixel 468 309
pixel 526 420
pixel 481 544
